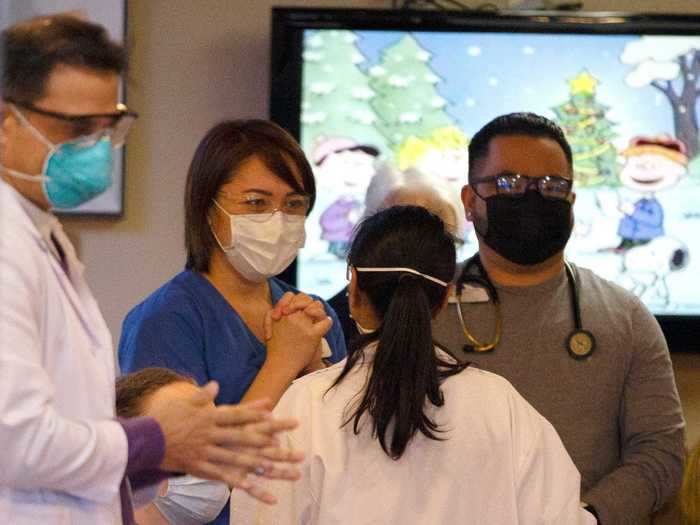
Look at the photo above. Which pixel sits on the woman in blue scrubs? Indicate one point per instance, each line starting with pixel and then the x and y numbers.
pixel 249 190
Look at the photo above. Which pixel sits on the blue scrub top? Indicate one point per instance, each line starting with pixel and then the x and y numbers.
pixel 187 325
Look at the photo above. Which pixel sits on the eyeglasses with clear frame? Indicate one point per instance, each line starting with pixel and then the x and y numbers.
pixel 261 206
pixel 89 128
pixel 515 185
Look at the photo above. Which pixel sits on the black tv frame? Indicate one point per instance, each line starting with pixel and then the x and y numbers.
pixel 289 23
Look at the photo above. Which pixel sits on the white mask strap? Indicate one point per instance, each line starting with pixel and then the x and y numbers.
pixel 401 269
pixel 24 176
pixel 23 120
pixel 221 208
pixel 216 238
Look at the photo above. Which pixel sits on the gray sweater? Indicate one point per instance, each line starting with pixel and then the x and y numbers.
pixel 617 412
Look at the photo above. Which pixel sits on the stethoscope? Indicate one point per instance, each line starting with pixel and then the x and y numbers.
pixel 580 343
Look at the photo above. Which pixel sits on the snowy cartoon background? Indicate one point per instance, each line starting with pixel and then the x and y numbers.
pixel 628 104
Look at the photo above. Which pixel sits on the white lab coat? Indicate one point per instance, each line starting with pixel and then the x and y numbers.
pixel 63 454
pixel 501 464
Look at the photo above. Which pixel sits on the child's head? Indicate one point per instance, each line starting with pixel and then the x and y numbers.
pixel 183 499
pixel 137 391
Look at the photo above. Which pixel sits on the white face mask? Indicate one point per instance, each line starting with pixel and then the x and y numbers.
pixel 261 247
pixel 191 501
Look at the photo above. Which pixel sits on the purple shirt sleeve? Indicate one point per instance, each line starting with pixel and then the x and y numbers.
pixel 146 446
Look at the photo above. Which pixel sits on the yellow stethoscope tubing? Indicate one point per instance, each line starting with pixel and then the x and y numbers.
pixel 580 343
pixel 477 345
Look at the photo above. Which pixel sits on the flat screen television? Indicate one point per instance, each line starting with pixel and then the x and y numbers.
pixel 371 92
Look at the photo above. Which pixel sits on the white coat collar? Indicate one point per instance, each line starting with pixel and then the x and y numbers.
pixel 45 223
pixel 370 350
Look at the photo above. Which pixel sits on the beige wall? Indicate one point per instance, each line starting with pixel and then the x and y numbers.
pixel 193 64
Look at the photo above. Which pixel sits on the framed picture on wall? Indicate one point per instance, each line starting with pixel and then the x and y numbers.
pixel 112 15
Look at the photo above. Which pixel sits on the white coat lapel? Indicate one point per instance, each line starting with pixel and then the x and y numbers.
pixel 76 289
pixel 42 226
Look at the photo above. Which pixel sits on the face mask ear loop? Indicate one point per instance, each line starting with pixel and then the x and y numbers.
pixel 230 223
pixel 40 177
pixel 39 136
pixel 24 176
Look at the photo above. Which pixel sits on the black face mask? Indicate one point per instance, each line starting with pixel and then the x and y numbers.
pixel 526 230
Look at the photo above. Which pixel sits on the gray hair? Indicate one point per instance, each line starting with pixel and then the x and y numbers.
pixel 391 187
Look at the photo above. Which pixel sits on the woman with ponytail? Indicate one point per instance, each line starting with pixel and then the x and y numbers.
pixel 400 433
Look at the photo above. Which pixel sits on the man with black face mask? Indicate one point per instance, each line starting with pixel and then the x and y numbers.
pixel 604 382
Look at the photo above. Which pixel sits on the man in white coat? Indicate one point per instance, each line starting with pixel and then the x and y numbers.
pixel 66 458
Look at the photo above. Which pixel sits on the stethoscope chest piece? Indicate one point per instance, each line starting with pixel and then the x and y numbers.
pixel 580 344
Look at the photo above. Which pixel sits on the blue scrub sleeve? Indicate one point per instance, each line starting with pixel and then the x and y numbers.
pixel 167 339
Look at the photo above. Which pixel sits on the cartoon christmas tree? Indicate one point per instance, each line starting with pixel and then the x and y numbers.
pixel 407 101
pixel 336 92
pixel 589 132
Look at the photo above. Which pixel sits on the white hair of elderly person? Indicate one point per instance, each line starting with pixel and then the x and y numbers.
pixel 393 187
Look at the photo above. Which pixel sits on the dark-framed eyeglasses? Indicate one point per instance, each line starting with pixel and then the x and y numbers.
pixel 515 185
pixel 115 125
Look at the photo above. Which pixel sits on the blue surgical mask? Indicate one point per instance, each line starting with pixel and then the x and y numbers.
pixel 191 501
pixel 74 172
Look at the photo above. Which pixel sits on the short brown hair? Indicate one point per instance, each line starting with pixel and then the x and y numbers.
pixel 222 150
pixel 133 389
pixel 30 51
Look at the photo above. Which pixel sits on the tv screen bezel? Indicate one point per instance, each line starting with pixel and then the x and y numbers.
pixel 289 24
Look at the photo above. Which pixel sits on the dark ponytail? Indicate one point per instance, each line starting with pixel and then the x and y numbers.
pixel 406 373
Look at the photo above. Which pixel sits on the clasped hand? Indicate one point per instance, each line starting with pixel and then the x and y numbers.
pixel 294 329
pixel 229 442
